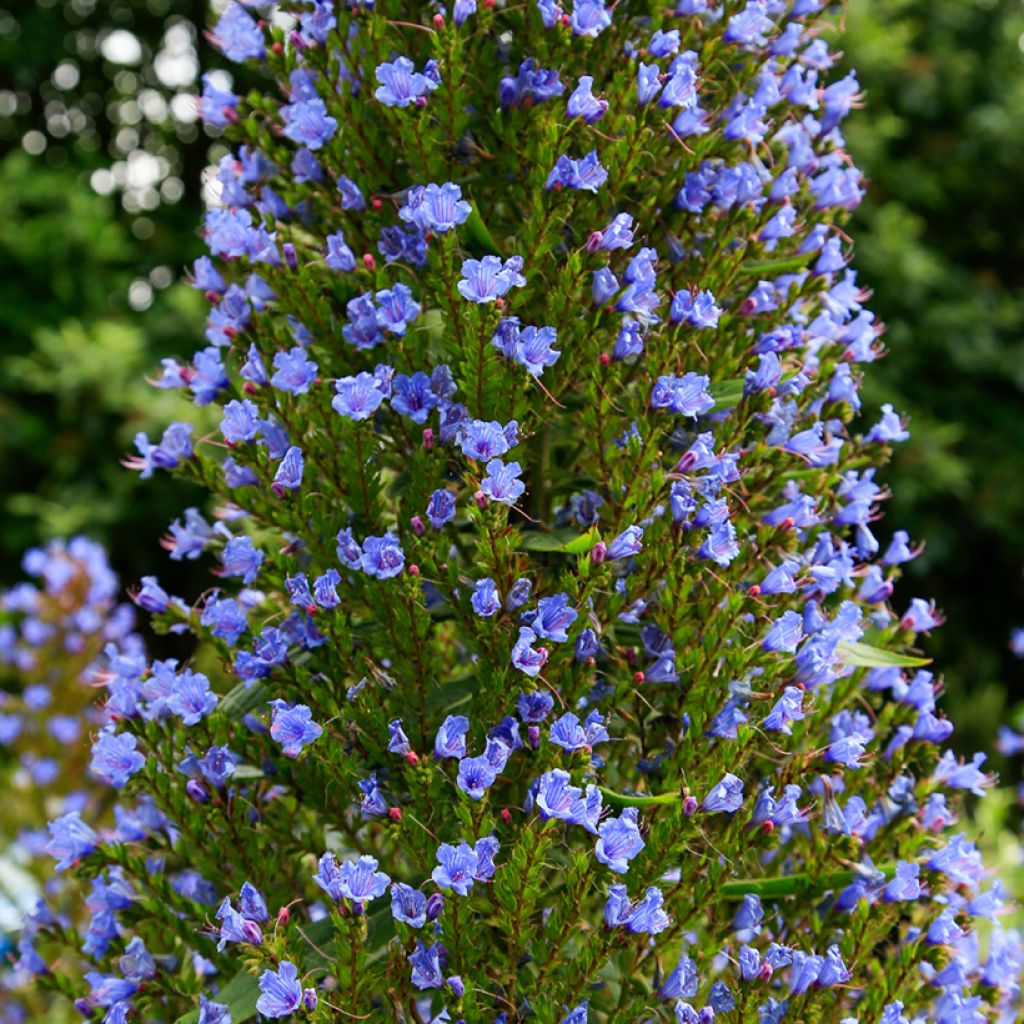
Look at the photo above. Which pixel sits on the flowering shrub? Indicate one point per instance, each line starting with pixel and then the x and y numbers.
pixel 552 669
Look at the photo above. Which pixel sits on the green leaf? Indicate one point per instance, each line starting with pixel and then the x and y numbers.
pixel 240 701
pixel 867 656
pixel 778 266
pixel 624 800
pixel 240 995
pixel 566 542
pixel 478 235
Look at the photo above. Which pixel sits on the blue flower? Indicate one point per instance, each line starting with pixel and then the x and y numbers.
pixel 213 1013
pixel 289 473
pixel 785 633
pixel 460 866
pixel 401 84
pixel 483 441
pixel 237 36
pixel 358 397
pixel 585 174
pixel 619 841
pixel 360 881
pixel 533 349
pixel 217 766
pixel 396 309
pixel 476 775
pixel 485 599
pixel 726 796
pixel 589 18
pixel 627 544
pixel 191 700
pixel 451 737
pixel 413 396
pixel 525 657
pixel 308 123
pixel 437 208
pixel 502 482
pixel 240 422
pixel 114 758
pixel 241 557
pixel 382 557
pixel 788 708
pixel 280 991
pixel 577 1015
pixel 70 839
pixel 292 726
pixel 339 256
pixel 583 103
pixel 568 734
pixel 687 395
pixel 408 905
pixel 427 967
pixel 553 618
pixel 488 279
pixel 441 508
pixel 698 309
pixel 325 589
pixel 295 371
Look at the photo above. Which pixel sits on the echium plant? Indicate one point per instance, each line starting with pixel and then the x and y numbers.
pixel 550 671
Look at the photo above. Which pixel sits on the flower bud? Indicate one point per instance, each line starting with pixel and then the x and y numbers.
pixel 417 525
pixel 250 388
pixel 284 915
pixel 457 986
pixel 690 806
pixel 438 20
pixel 481 499
pixel 289 255
pixel 309 998
pixel 276 49
pixel 594 241
pixel 376 203
pixel 753 590
pixel 395 813
pixel 413 758
pixel 638 677
pixel 413 570
pixel 598 552
pixel 434 906
pixel 506 815
pixel 766 971
pixel 428 438
pixel 368 261
pixel 252 933
pixel 605 359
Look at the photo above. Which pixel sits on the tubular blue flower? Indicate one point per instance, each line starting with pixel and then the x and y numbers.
pixel 115 759
pixel 289 473
pixel 476 775
pixel 280 991
pixel 457 867
pixel 237 36
pixel 726 796
pixel 408 905
pixel 483 441
pixel 788 708
pixel 240 422
pixel 502 483
pixel 396 309
pixel 360 881
pixel 489 279
pixel 437 208
pixel 70 840
pixel 358 397
pixel 626 544
pixel 619 841
pixel 307 123
pixel 687 395
pixel 533 349
pixel 585 174
pixel 553 618
pixel 413 397
pixel 451 737
pixel 339 256
pixel 241 557
pixel 427 965
pixel 440 508
pixel 525 657
pixel 292 726
pixel 485 599
pixel 568 734
pixel 589 18
pixel 382 557
pixel 785 633
pixel 401 84
pixel 583 103
pixel 191 699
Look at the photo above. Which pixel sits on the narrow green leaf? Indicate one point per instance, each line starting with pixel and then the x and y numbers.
pixel 566 542
pixel 478 235
pixel 793 885
pixel 866 656
pixel 240 701
pixel 626 800
pixel 777 266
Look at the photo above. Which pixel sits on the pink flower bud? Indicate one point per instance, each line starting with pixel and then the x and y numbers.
pixel 690 806
pixel 428 438
pixel 598 552
pixel 594 241
pixel 417 525
pixel 481 499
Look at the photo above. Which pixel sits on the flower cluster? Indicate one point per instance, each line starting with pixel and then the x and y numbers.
pixel 551 669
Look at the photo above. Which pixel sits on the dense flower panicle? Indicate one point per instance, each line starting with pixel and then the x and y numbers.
pixel 552 668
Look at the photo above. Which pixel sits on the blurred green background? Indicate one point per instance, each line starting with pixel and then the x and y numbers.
pixel 101 192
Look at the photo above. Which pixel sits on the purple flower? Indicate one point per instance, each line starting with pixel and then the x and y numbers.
pixel 339 256
pixel 241 557
pixel 289 473
pixel 589 18
pixel 307 122
pixel 295 371
pixel 191 699
pixel 292 726
pixel 408 905
pixel 788 708
pixel 554 616
pixel 583 103
pixel 627 544
pixel 585 174
pixel 483 441
pixel 476 775
pixel 358 397
pixel 485 599
pixel 427 968
pixel 240 422
pixel 462 865
pixel 525 657
pixel 687 395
